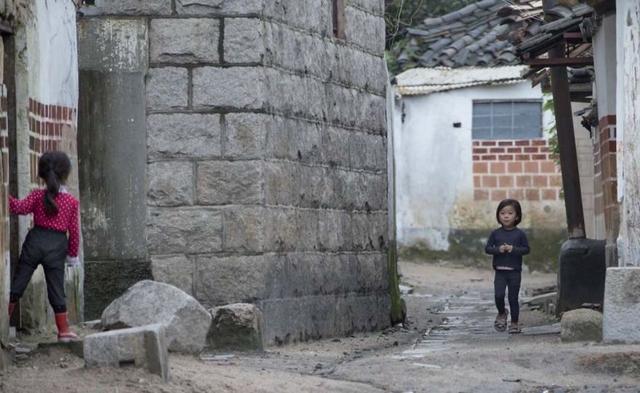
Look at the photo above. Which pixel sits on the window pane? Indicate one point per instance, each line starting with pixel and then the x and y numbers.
pixel 481 121
pixel 502 133
pixel 502 108
pixel 507 120
pixel 528 118
pixel 520 108
pixel 502 121
pixel 482 109
pixel 481 133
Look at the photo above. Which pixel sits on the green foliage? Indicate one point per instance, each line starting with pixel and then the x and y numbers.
pixel 554 147
pixel 400 14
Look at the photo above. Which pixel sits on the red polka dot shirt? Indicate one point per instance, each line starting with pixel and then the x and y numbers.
pixel 65 221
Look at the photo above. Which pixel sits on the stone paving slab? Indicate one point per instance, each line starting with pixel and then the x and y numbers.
pixel 143 347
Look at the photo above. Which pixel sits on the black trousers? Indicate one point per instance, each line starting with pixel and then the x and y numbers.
pixel 49 248
pixel 508 279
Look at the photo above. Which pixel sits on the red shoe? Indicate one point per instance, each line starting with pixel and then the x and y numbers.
pixel 64 334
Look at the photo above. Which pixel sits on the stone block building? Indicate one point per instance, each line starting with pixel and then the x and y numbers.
pixel 237 150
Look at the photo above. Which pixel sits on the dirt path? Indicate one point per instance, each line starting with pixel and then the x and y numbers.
pixel 448 345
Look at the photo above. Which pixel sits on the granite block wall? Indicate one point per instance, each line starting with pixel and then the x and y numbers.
pixel 266 158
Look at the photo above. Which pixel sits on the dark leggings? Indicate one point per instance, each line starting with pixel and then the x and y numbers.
pixel 49 248
pixel 508 279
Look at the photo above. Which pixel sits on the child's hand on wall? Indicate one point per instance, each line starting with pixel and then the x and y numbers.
pixel 73 261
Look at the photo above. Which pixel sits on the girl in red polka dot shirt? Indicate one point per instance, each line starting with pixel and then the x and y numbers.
pixel 55 213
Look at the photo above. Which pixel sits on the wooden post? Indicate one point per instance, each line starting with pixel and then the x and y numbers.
pixel 567 144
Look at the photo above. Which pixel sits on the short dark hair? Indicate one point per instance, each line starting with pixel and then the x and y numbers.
pixel 513 203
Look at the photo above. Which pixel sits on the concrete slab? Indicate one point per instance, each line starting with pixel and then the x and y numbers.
pixel 143 347
pixel 621 316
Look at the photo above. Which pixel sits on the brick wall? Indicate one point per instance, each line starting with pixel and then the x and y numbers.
pixel 51 127
pixel 605 180
pixel 520 169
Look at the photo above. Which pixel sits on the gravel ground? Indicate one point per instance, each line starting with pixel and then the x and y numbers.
pixel 460 352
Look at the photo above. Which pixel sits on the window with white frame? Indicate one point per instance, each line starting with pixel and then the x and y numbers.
pixel 507 119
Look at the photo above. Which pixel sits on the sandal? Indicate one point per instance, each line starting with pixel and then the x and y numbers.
pixel 514 328
pixel 500 324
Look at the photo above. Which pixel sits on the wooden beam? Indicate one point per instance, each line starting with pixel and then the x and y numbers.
pixel 602 6
pixel 574 37
pixel 561 62
pixel 567 144
pixel 579 50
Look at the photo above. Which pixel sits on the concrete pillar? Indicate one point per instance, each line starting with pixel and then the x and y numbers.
pixel 628 16
pixel 112 141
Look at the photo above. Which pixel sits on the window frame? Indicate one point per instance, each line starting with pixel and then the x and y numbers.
pixel 539 101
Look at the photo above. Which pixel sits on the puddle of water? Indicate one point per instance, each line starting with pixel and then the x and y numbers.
pixel 465 318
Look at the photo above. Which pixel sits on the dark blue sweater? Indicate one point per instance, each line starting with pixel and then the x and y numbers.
pixel 514 237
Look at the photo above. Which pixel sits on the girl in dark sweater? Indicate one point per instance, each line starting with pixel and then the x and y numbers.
pixel 507 244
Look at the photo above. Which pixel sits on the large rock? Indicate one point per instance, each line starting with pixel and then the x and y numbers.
pixel 581 325
pixel 622 305
pixel 236 327
pixel 149 302
pixel 144 347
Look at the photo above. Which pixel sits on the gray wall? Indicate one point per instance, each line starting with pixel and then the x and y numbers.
pixel 112 157
pixel 266 159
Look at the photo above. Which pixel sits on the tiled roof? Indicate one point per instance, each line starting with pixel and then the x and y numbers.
pixel 423 81
pixel 570 19
pixel 479 34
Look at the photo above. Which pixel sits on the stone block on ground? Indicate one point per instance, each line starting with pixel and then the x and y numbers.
pixel 621 316
pixel 148 302
pixel 144 347
pixel 236 327
pixel 4 360
pixel 581 325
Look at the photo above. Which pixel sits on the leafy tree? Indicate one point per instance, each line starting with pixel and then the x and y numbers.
pixel 400 14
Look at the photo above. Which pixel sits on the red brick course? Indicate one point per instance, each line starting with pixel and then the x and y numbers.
pixel 521 169
pixel 514 167
pixel 605 175
pixel 497 167
pixel 48 125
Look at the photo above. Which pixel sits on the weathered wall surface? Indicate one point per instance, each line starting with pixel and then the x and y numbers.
pixel 45 74
pixel 448 186
pixel 628 16
pixel 112 146
pixel 584 150
pixel 5 260
pixel 266 158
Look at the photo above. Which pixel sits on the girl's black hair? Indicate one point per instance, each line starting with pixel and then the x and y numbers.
pixel 53 168
pixel 516 206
